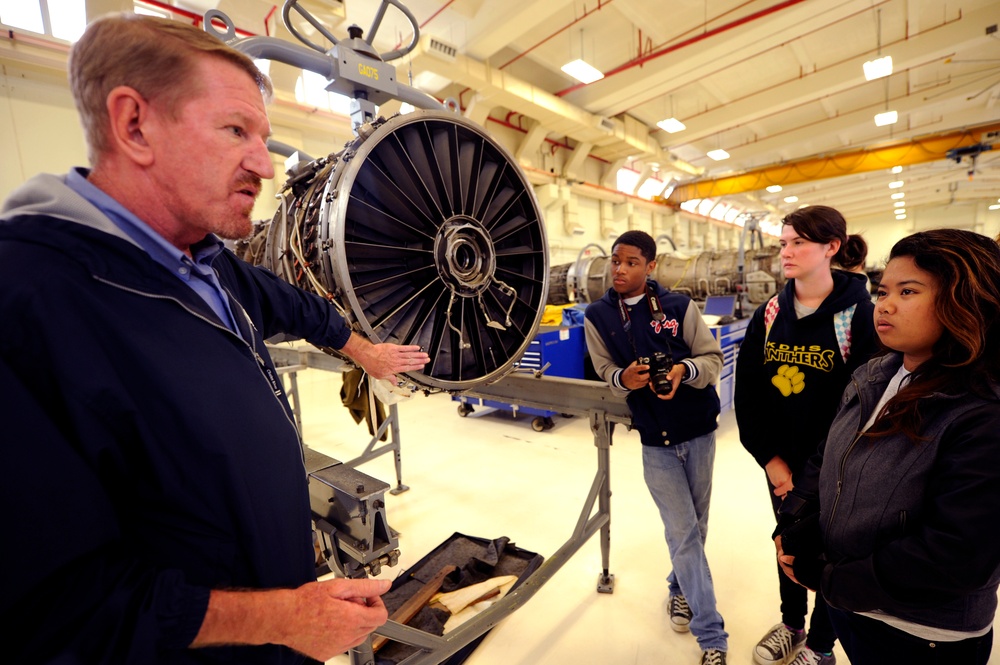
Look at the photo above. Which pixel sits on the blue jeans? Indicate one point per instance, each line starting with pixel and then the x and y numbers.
pixel 679 478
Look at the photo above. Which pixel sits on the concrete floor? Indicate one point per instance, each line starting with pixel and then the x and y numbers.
pixel 490 475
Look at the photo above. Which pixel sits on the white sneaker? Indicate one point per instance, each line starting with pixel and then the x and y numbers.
pixel 778 645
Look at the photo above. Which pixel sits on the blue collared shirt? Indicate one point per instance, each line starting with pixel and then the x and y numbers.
pixel 195 271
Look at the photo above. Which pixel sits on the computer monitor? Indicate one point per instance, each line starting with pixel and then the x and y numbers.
pixel 720 305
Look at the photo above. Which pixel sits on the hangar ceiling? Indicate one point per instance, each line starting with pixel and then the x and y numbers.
pixel 778 84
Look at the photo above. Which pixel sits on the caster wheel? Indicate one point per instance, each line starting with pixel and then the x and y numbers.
pixel 538 424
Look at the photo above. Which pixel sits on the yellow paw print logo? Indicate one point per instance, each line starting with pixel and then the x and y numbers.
pixel 789 379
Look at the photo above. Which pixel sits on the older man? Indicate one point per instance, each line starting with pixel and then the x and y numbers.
pixel 155 502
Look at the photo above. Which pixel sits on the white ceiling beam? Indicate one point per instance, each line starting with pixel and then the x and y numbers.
pixel 636 14
pixel 920 49
pixel 573 169
pixel 498 23
pixel 615 94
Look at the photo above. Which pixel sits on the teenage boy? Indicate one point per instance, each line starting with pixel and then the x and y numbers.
pixel 654 347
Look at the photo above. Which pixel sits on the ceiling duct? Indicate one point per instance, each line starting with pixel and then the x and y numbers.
pixel 441 49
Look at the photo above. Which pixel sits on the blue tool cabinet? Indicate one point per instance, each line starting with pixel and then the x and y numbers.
pixel 555 351
pixel 730 337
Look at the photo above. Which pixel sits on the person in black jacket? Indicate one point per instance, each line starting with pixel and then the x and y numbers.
pixel 854 258
pixel 675 413
pixel 798 354
pixel 895 520
pixel 155 499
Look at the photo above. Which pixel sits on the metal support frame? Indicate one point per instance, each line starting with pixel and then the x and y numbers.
pixel 591 399
pixel 751 227
pixel 291 360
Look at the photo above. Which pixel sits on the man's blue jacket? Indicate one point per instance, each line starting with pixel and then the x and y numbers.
pixel 149 452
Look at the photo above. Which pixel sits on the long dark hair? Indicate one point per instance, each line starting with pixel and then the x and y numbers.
pixel 965 359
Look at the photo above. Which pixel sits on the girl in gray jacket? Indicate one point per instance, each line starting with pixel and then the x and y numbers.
pixel 895 519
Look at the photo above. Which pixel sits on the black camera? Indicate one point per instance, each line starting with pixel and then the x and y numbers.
pixel 660 365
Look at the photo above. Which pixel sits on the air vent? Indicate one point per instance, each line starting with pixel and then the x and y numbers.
pixel 607 124
pixel 442 49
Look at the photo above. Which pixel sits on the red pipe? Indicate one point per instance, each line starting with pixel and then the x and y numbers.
pixel 780 46
pixel 555 144
pixel 434 15
pixel 600 6
pixel 429 19
pixel 267 18
pixel 687 42
pixel 195 18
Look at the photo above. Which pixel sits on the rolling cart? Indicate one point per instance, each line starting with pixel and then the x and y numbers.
pixel 555 351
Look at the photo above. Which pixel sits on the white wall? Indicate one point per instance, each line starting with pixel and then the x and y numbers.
pixel 39 129
pixel 881 233
pixel 40 132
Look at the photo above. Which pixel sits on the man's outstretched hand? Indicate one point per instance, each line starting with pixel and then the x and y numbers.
pixel 382 361
pixel 318 619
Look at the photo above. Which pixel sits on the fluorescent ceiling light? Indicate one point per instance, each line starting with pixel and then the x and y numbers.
pixel 895 184
pixel 900 216
pixel 897 169
pixel 899 204
pixel 774 189
pixel 791 199
pixel 900 211
pixel 718 155
pixel 877 68
pixel 582 72
pixel 887 118
pixel 671 125
pixel 995 206
pixel 897 195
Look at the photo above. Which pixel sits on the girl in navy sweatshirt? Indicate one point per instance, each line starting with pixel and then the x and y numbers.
pixel 798 354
